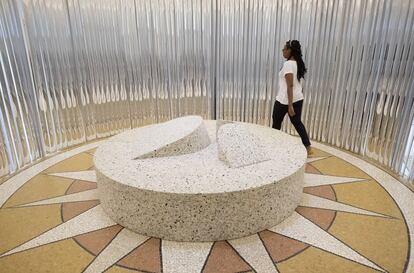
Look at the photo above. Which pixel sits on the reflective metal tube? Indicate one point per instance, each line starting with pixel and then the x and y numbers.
pixel 73 71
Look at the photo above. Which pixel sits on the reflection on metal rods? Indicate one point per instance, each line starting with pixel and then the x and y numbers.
pixel 73 71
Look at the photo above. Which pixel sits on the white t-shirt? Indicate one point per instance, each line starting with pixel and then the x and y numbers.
pixel 282 96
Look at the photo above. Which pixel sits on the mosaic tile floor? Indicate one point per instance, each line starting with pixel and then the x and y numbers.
pixel 353 217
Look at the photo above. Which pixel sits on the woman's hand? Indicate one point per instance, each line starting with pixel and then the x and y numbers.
pixel 291 110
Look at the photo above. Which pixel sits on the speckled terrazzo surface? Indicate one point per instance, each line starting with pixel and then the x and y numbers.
pixel 238 145
pixel 198 172
pixel 197 195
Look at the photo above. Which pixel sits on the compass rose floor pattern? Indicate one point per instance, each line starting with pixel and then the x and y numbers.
pixel 354 217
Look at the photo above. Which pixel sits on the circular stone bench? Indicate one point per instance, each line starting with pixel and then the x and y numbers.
pixel 178 181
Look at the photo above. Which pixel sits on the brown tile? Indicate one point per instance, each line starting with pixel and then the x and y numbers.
pixel 96 241
pixel 79 186
pixel 311 169
pixel 321 217
pixel 70 210
pixel 146 257
pixel 224 259
pixel 280 247
pixel 325 191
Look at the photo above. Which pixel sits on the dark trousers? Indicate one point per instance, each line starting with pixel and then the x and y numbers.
pixel 279 112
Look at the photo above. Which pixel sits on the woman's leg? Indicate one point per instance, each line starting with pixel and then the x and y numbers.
pixel 279 112
pixel 296 121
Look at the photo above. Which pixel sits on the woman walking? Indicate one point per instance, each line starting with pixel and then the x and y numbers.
pixel 290 97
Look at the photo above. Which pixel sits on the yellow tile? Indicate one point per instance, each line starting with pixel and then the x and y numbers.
pixel 368 195
pixel 383 241
pixel 314 260
pixel 318 153
pixel 80 162
pixel 338 167
pixel 19 225
pixel 40 187
pixel 60 257
pixel 119 269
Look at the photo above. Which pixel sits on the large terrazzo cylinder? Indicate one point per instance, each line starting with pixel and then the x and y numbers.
pixel 196 196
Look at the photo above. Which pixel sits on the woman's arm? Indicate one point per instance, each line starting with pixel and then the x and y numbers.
pixel 289 83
